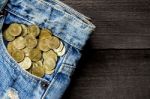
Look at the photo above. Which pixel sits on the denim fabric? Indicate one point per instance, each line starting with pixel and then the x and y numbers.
pixel 70 26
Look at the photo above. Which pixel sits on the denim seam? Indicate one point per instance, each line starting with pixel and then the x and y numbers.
pixel 55 76
pixel 72 10
pixel 18 15
pixel 75 18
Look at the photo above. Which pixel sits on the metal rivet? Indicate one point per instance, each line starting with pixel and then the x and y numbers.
pixel 44 85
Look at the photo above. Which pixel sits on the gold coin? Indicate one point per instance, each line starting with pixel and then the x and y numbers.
pixel 50 54
pixel 35 64
pixel 49 64
pixel 60 48
pixel 33 30
pixel 26 63
pixel 14 29
pixel 8 37
pixel 62 52
pixel 44 44
pixel 27 51
pixel 24 30
pixel 35 55
pixel 38 71
pixel 50 72
pixel 31 41
pixel 54 43
pixel 45 33
pixel 18 55
pixel 10 47
pixel 19 42
pixel 39 63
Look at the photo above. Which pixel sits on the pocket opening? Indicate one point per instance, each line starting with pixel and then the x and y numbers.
pixel 11 18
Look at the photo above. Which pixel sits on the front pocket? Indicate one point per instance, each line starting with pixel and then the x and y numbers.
pixel 70 61
pixel 10 19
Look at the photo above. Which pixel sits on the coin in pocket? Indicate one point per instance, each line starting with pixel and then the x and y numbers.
pixel 54 43
pixel 45 33
pixel 8 37
pixel 33 30
pixel 37 70
pixel 35 55
pixel 44 44
pixel 60 48
pixel 61 53
pixel 50 54
pixel 26 63
pixel 18 55
pixel 31 41
pixel 19 42
pixel 14 29
pixel 24 30
pixel 49 64
pixel 11 48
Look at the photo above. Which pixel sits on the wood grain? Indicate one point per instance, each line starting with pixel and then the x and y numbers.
pixel 112 74
pixel 115 62
pixel 121 24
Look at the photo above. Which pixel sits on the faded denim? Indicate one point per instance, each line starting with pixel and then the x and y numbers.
pixel 70 26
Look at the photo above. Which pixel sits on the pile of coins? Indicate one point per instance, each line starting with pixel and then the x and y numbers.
pixel 36 50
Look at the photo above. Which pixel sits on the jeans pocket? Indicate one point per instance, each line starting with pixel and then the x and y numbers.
pixel 70 61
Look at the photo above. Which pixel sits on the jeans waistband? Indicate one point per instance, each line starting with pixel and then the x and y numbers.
pixel 65 22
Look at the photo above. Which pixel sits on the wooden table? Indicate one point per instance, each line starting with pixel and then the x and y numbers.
pixel 116 60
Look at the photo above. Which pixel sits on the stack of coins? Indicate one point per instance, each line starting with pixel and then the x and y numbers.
pixel 36 50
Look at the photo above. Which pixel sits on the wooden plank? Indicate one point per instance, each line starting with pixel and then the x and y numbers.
pixel 121 24
pixel 111 74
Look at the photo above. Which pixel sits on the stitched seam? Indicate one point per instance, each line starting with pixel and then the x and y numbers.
pixel 55 76
pixel 18 15
pixel 75 18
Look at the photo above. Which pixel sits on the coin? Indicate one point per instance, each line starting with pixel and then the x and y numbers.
pixel 8 37
pixel 39 63
pixel 60 48
pixel 35 55
pixel 50 71
pixel 26 63
pixel 35 64
pixel 49 64
pixel 31 41
pixel 19 42
pixel 45 33
pixel 10 47
pixel 35 50
pixel 18 55
pixel 24 30
pixel 33 30
pixel 27 51
pixel 14 29
pixel 50 54
pixel 38 71
pixel 44 44
pixel 54 43
pixel 62 52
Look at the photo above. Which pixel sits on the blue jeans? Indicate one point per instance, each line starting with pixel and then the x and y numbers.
pixel 70 26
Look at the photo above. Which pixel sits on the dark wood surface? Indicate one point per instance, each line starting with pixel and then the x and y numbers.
pixel 121 24
pixel 116 60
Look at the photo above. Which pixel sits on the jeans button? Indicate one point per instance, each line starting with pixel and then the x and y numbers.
pixel 44 85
